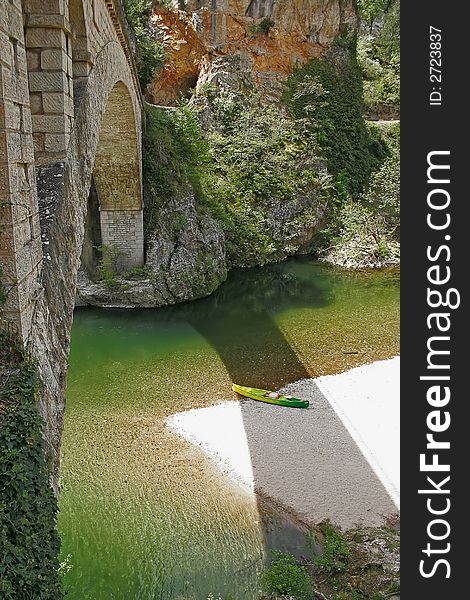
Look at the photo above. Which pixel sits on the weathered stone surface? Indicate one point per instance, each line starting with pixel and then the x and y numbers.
pixel 47 81
pixel 271 35
pixel 42 285
pixel 185 257
pixel 54 59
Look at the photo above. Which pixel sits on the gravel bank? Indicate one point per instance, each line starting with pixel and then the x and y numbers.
pixel 336 460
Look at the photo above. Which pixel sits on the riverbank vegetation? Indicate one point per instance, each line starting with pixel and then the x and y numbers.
pixel 378 54
pixel 246 161
pixel 360 564
pixel 29 542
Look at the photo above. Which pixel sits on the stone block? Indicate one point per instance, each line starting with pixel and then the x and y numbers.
pixel 27 150
pixel 48 22
pixel 35 227
pixel 13 86
pixel 33 58
pixel 5 50
pixel 21 62
pixel 35 102
pixel 27 287
pixel 7 244
pixel 26 122
pixel 44 37
pixel 17 4
pixel 54 102
pixel 68 108
pixel 50 124
pixel 81 69
pixel 14 146
pixel 38 142
pixel 12 116
pixel 15 22
pixel 48 82
pixel 56 143
pixel 3 149
pixel 46 7
pixel 53 59
pixel 21 176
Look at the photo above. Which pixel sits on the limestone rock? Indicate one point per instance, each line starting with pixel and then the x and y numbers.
pixel 185 260
pixel 186 253
pixel 271 36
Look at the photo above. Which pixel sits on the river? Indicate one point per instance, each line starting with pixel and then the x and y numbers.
pixel 144 515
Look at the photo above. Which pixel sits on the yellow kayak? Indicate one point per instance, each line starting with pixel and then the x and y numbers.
pixel 269 396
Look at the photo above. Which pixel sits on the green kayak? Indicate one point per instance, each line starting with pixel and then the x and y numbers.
pixel 269 397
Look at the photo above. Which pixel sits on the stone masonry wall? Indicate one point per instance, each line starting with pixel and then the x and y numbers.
pixel 94 52
pixel 20 238
pixel 124 229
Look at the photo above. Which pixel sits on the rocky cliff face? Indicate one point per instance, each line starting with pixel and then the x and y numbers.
pixel 225 49
pixel 185 260
pixel 269 37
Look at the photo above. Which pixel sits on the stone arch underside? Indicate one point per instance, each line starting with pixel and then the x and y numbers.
pixel 117 178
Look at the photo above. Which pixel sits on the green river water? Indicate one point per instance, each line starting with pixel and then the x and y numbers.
pixel 143 515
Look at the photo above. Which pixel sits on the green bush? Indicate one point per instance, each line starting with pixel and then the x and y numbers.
pixel 287 577
pixel 252 154
pixel 387 42
pixel 335 554
pixel 175 156
pixel 29 543
pixel 371 10
pixel 326 95
pixel 264 26
pixel 109 266
pixel 151 51
pixel 379 59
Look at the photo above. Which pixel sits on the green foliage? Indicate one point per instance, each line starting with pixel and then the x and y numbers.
pixel 151 51
pixel 110 265
pixel 287 577
pixel 387 42
pixel 335 550
pixel 371 10
pixel 254 153
pixel 143 272
pixel 29 543
pixel 258 153
pixel 326 95
pixel 383 193
pixel 264 26
pixel 175 154
pixel 366 230
pixel 379 58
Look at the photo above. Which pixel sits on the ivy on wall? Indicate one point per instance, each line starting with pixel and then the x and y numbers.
pixel 29 542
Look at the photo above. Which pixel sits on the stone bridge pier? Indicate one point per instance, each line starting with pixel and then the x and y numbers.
pixel 70 122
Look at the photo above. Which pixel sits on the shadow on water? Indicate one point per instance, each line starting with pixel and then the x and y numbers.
pixel 238 323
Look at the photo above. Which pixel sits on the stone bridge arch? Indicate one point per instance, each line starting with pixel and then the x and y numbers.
pixel 104 141
pixel 117 178
pixel 70 113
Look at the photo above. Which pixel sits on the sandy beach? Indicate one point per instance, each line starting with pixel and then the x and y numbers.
pixel 337 460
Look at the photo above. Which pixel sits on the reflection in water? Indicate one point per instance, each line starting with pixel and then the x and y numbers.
pixel 143 514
